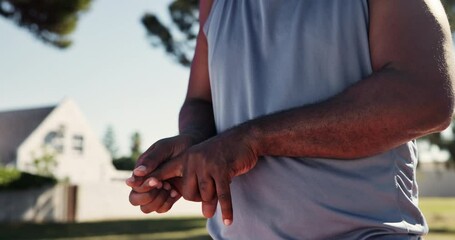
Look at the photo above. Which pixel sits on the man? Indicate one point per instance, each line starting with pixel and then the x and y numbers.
pixel 300 117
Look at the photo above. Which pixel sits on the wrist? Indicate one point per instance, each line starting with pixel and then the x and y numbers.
pixel 251 137
pixel 192 136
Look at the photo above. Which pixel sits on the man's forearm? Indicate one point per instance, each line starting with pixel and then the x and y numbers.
pixel 372 116
pixel 196 119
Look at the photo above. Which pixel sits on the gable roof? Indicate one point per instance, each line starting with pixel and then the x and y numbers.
pixel 16 126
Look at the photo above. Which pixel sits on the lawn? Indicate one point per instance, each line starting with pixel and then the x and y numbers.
pixel 165 229
pixel 439 212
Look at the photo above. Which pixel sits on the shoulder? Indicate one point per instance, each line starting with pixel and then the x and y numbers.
pixel 408 30
pixel 204 10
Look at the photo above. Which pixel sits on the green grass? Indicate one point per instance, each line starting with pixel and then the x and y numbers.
pixel 439 212
pixel 175 228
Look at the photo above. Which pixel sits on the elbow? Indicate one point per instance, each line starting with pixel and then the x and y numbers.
pixel 443 123
pixel 443 117
pixel 439 112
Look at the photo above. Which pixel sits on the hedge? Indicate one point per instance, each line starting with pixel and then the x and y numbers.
pixel 12 179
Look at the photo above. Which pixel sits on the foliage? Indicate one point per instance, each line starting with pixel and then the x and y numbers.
pixel 49 20
pixel 45 164
pixel 180 43
pixel 444 144
pixel 14 179
pixel 110 142
pixel 128 162
pixel 135 146
pixel 124 163
pixel 449 6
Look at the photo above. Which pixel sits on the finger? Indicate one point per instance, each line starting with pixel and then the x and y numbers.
pixel 168 204
pixel 174 193
pixel 156 203
pixel 224 198
pixel 206 188
pixel 130 181
pixel 153 183
pixel 137 199
pixel 152 158
pixel 170 169
pixel 209 208
pixel 135 181
pixel 167 186
pixel 190 189
pixel 145 187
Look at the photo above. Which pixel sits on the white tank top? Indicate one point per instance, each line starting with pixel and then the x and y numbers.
pixel 271 55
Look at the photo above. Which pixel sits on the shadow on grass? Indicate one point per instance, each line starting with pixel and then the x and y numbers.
pixel 72 230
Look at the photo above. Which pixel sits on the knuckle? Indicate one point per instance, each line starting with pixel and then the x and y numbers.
pixel 203 185
pixel 163 143
pixel 190 196
pixel 224 197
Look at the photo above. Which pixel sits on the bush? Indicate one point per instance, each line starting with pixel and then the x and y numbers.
pixel 124 163
pixel 12 179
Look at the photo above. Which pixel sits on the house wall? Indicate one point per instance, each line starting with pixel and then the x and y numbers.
pixel 93 202
pixel 94 164
pixel 109 201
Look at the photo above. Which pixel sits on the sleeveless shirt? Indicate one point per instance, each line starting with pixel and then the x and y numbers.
pixel 271 55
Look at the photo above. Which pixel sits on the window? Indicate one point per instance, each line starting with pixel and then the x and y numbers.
pixel 54 139
pixel 78 143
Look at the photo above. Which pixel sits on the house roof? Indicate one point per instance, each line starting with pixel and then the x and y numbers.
pixel 16 126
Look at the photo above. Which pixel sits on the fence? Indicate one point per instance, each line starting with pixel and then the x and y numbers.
pixel 45 204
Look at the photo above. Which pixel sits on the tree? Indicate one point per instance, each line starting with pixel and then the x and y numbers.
pixel 128 162
pixel 449 6
pixel 110 142
pixel 444 144
pixel 135 146
pixel 51 21
pixel 178 44
pixel 178 37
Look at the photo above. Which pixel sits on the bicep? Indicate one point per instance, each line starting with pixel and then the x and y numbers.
pixel 410 35
pixel 199 82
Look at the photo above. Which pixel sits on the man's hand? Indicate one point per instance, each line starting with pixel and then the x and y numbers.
pixel 153 199
pixel 157 199
pixel 208 168
pixel 158 153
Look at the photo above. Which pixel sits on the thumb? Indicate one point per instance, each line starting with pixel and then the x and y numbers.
pixel 170 169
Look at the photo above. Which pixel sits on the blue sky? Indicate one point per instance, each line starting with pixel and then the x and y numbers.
pixel 111 71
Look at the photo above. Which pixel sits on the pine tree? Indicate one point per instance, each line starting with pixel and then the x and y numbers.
pixel 110 142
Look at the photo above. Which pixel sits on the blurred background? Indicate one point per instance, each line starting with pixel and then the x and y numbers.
pixel 86 86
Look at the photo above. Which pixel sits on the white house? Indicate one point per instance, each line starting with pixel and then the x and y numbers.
pixel 61 131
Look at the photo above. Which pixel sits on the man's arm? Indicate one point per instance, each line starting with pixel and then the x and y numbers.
pixel 196 120
pixel 408 95
pixel 196 123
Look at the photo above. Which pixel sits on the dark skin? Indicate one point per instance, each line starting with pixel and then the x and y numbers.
pixel 409 94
